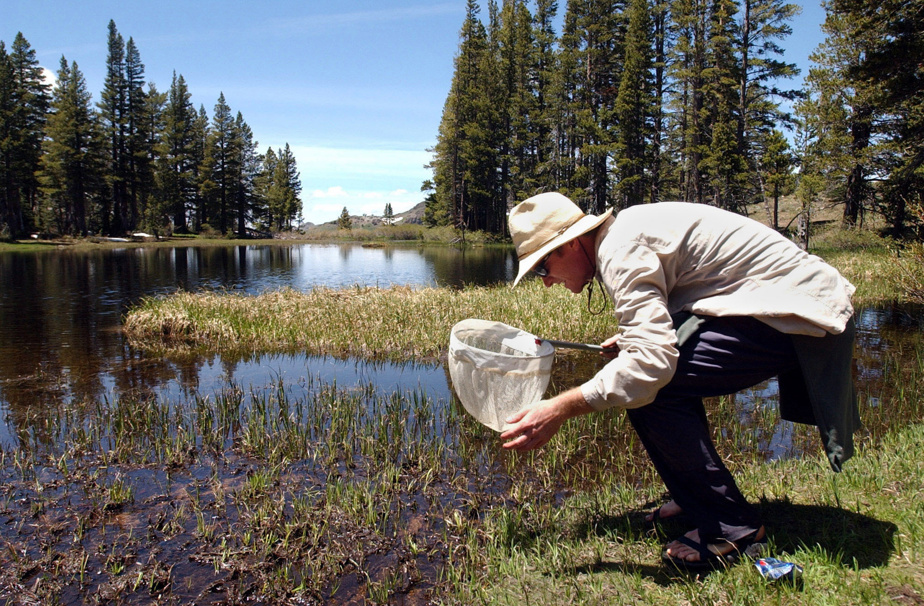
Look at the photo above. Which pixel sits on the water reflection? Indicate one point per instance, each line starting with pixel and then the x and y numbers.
pixel 60 311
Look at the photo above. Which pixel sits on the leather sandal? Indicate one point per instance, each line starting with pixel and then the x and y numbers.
pixel 749 546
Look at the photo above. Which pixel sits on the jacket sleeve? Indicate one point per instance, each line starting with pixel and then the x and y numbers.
pixel 635 277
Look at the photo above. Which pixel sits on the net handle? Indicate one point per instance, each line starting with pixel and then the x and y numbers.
pixel 584 346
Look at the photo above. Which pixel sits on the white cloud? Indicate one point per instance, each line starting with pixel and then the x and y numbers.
pixel 362 180
pixel 321 207
pixel 49 77
pixel 330 192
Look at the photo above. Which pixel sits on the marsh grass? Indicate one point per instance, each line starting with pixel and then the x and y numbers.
pixel 365 495
pixel 397 323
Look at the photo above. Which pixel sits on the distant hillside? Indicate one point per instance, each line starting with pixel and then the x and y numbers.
pixel 414 215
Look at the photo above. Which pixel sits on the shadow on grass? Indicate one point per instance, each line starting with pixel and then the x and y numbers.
pixel 846 536
pixel 849 538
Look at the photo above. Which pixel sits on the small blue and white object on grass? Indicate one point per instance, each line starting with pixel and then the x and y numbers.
pixel 776 570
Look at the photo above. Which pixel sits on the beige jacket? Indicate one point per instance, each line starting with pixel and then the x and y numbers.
pixel 660 259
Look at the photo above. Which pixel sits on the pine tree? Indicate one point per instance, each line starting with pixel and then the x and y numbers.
pixel 138 154
pixel 152 211
pixel 200 165
pixel 289 180
pixel 776 167
pixel 282 187
pixel 723 163
pixel 71 172
pixel 8 213
pixel 889 70
pixel 661 40
pixel 24 103
pixel 176 159
pixel 113 111
pixel 518 105
pixel 635 106
pixel 687 64
pixel 465 162
pixel 839 118
pixel 222 156
pixel 592 53
pixel 344 222
pixel 544 118
pixel 266 192
pixel 249 164
pixel 388 215
pixel 762 24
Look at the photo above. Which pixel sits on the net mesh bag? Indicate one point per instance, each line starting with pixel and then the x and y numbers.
pixel 497 369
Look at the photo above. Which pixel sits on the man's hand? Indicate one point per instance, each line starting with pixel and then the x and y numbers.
pixel 612 345
pixel 535 425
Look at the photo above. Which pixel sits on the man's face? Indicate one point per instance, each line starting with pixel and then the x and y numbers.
pixel 569 266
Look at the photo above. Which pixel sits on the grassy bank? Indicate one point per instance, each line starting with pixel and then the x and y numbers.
pixel 859 537
pixel 382 234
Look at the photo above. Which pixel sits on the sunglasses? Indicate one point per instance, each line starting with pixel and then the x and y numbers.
pixel 540 269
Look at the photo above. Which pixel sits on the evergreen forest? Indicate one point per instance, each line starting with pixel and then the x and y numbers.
pixel 638 101
pixel 139 159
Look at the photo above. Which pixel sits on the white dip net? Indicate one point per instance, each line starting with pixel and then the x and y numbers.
pixel 497 369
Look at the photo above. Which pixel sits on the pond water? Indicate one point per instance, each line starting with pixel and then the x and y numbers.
pixel 61 312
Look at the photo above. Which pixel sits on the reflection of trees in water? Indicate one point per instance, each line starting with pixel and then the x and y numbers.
pixel 458 267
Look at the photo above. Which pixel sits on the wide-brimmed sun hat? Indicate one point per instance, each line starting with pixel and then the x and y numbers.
pixel 540 224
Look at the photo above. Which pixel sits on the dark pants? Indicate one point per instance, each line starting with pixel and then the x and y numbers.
pixel 726 355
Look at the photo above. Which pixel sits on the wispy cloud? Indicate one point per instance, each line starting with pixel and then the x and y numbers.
pixel 328 21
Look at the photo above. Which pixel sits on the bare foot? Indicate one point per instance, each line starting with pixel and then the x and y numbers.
pixel 668 510
pixel 679 550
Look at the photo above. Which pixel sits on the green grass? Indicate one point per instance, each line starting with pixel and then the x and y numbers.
pixel 364 494
pixel 858 535
pixel 401 323
pixel 396 323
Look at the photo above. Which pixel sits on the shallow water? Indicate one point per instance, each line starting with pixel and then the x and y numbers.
pixel 61 312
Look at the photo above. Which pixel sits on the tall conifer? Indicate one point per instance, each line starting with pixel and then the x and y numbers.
pixel 137 170
pixel 635 107
pixel 22 120
pixel 177 162
pixel 592 54
pixel 114 119
pixel 461 152
pixel 72 164
pixel 222 156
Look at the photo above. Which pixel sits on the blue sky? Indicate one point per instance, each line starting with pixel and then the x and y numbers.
pixel 355 87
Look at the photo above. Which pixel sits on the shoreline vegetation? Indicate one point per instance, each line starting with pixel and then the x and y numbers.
pixel 364 495
pixel 376 234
